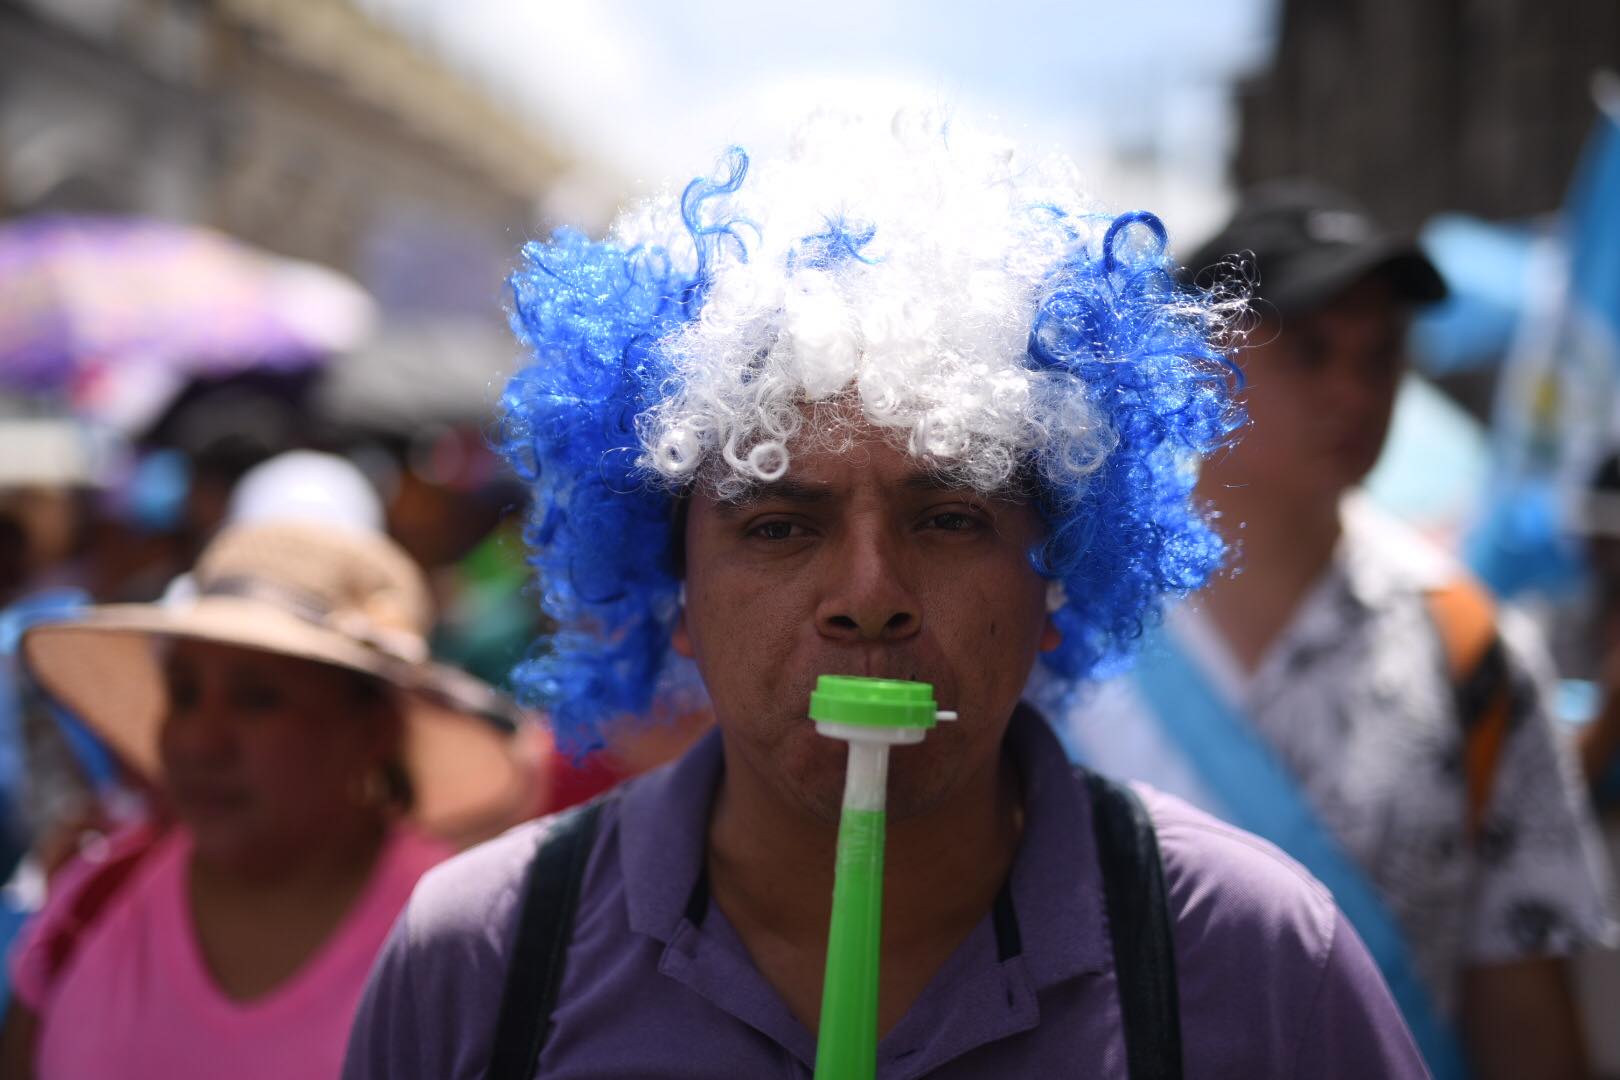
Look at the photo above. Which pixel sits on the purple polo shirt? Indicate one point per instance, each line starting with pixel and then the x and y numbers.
pixel 1273 981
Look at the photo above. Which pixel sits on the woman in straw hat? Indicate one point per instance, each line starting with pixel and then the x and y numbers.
pixel 311 762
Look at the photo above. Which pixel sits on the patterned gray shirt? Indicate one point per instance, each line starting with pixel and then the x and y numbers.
pixel 1355 698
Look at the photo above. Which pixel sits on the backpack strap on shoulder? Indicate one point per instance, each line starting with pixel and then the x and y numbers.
pixel 1139 926
pixel 1465 617
pixel 534 970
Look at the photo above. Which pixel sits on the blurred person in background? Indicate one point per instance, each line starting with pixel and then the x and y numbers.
pixel 308 763
pixel 59 784
pixel 457 508
pixel 48 471
pixel 487 615
pixel 307 485
pixel 192 456
pixel 1347 690
pixel 411 407
pixel 76 791
pixel 160 489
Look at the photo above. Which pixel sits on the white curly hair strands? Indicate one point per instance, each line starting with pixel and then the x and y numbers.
pixel 896 268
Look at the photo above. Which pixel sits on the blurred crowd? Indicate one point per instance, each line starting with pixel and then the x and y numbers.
pixel 179 430
pixel 276 581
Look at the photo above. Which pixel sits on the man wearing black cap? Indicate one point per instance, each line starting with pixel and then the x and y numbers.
pixel 1347 691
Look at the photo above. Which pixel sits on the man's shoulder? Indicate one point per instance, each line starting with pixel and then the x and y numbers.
pixel 445 960
pixel 1386 555
pixel 474 895
pixel 1230 889
pixel 1267 969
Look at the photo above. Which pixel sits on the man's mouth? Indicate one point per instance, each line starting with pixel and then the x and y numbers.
pixel 876 664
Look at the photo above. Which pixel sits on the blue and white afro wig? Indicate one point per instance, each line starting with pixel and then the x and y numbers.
pixel 968 301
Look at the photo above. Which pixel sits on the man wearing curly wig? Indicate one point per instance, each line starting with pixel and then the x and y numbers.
pixel 900 405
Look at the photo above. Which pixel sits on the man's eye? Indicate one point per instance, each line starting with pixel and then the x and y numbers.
pixel 954 521
pixel 774 530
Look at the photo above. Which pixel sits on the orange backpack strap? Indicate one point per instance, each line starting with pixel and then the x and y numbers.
pixel 1465 617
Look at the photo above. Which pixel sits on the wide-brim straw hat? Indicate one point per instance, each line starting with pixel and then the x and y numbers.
pixel 339 596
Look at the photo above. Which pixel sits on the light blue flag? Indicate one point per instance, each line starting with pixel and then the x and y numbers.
pixel 1555 413
pixel 1592 220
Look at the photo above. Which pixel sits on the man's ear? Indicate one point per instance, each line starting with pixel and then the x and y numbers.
pixel 1051 636
pixel 1056 597
pixel 680 639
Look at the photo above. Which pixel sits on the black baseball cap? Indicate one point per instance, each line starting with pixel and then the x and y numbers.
pixel 1309 244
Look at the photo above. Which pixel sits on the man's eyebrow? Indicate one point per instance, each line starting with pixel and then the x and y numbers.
pixel 784 490
pixel 935 483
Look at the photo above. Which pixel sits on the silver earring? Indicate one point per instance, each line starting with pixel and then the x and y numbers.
pixel 1056 596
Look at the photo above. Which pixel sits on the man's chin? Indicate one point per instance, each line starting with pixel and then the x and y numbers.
pixel 811 768
pixel 822 798
pixel 822 804
pixel 813 773
pixel 916 792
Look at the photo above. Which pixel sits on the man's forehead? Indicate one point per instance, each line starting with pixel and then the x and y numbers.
pixel 838 452
pixel 822 487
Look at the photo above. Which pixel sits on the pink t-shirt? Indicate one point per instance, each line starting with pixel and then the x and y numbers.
pixel 136 1000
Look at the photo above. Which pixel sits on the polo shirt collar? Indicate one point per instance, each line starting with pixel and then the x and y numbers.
pixel 1056 877
pixel 663 830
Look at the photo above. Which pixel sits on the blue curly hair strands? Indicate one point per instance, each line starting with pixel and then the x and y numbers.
pixel 969 305
pixel 1144 352
pixel 707 236
pixel 589 311
pixel 600 534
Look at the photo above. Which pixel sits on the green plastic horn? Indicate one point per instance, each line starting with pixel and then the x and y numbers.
pixel 871 715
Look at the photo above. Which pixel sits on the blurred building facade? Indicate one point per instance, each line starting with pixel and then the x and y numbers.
pixel 1472 105
pixel 298 125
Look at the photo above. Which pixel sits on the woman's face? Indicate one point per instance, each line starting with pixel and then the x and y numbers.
pixel 267 757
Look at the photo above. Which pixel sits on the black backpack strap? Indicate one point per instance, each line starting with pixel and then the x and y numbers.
pixel 1139 926
pixel 545 924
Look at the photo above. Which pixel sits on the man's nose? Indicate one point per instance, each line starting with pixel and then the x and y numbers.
pixel 867 596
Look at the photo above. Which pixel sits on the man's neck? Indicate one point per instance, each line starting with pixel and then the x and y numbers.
pixel 1281 548
pixel 771 872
